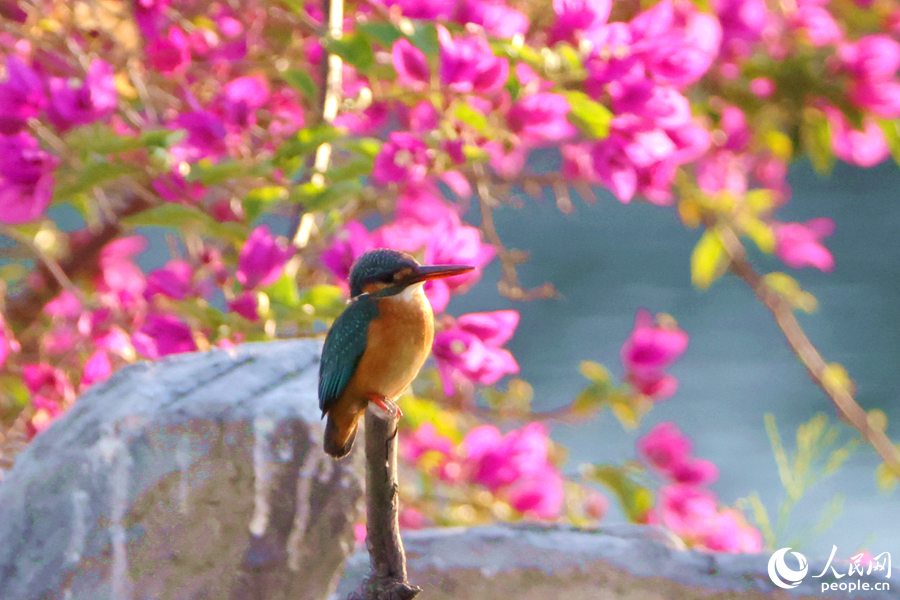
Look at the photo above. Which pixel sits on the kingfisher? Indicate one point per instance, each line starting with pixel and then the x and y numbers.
pixel 378 344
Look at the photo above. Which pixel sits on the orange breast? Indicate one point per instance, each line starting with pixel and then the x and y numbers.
pixel 399 342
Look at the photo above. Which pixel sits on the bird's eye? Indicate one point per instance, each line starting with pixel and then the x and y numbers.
pixel 387 278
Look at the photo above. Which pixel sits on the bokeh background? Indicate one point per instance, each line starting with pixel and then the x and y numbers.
pixel 607 259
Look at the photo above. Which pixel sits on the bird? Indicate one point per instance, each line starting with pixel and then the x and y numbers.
pixel 377 346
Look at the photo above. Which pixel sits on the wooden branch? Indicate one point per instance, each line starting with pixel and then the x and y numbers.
pixel 387 579
pixel 851 412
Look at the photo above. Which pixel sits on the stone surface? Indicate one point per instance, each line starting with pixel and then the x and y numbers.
pixel 627 562
pixel 198 477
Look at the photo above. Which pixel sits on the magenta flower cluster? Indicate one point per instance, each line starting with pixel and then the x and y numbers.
pixel 649 350
pixel 686 506
pixel 515 467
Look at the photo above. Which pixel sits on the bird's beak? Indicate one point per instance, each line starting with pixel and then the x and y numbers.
pixel 425 273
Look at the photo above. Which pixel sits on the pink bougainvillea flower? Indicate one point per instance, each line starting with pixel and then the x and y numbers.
pixel 350 243
pixel 694 471
pixel 425 439
pixel 651 348
pixel 97 368
pixel 865 148
pixel 687 510
pixel 93 100
pixel 48 381
pixel 468 64
pixel 241 98
pixel 541 118
pixel 515 466
pixel 162 335
pixel 21 96
pixel 205 136
pixel 874 57
pixel 540 493
pixel 817 23
pixel 470 352
pixel 121 278
pixel 46 411
pixel 411 65
pixel 245 305
pixel 173 280
pixel 26 178
pixel 799 245
pixel 170 54
pixel 665 446
pixel 261 260
pixel 173 187
pixel 728 531
pixel 498 19
pixel 573 17
pixel 403 158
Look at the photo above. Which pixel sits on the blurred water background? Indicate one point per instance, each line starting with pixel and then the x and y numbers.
pixel 606 260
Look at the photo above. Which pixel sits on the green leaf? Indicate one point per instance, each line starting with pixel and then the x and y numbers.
pixel 885 477
pixel 319 198
pixel 100 139
pixel 635 499
pixel 383 32
pixel 471 117
pixel 211 174
pixel 790 291
pixel 355 49
pixel 92 175
pixel 708 260
pixel 892 135
pixel 368 147
pixel 284 291
pixel 591 117
pixel 306 141
pixel 425 38
pixel 327 301
pixel 303 82
pixel 815 132
pixel 181 217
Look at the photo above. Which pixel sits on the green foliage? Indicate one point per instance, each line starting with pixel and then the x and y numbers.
pixel 635 498
pixel 790 291
pixel 818 455
pixel 709 261
pixel 591 117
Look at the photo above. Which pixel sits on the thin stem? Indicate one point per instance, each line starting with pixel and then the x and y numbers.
pixel 49 263
pixel 387 580
pixel 852 413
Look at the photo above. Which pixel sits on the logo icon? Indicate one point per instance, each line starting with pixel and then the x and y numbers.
pixel 782 575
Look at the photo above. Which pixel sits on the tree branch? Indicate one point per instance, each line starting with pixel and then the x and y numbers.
pixel 387 579
pixel 23 308
pixel 851 412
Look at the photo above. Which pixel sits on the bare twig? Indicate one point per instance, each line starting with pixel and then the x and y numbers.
pixel 387 580
pixel 509 259
pixel 851 412
pixel 329 100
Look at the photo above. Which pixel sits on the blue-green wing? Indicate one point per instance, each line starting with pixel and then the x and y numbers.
pixel 344 347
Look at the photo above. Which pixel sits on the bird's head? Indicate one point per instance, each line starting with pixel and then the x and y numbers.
pixel 386 272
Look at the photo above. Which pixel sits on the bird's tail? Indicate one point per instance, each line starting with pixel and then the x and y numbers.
pixel 339 440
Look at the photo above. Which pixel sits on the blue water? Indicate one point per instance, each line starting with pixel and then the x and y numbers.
pixel 607 260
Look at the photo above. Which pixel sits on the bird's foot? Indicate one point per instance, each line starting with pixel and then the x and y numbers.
pixel 384 407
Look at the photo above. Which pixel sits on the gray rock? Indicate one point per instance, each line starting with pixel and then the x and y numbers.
pixel 198 477
pixel 623 562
